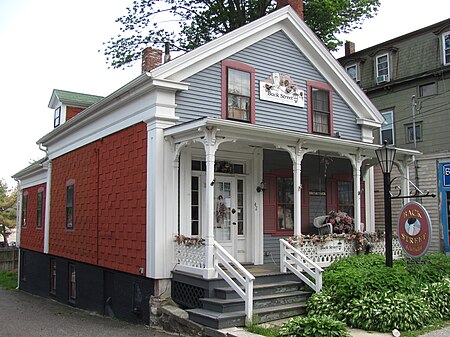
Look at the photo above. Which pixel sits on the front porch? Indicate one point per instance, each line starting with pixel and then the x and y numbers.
pixel 243 190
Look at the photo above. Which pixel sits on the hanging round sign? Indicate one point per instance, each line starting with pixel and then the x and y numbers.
pixel 414 229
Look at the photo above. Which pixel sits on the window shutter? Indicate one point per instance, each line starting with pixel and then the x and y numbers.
pixel 270 203
pixel 332 194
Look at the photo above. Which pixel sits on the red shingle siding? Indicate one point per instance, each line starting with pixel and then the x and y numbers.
pixel 32 237
pixel 109 204
pixel 71 112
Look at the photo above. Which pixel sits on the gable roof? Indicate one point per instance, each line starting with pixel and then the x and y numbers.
pixel 72 99
pixel 288 21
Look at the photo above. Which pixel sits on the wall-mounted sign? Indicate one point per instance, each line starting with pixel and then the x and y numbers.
pixel 414 229
pixel 446 174
pixel 280 88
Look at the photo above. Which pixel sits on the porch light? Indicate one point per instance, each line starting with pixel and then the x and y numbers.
pixel 386 157
pixel 261 187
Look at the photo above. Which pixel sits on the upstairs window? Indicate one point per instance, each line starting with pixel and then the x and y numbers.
pixel 410 136
pixel 427 89
pixel 352 71
pixel 69 205
pixel 24 209
pixel 40 200
pixel 382 68
pixel 387 129
pixel 238 91
pixel 446 48
pixel 320 108
pixel 57 117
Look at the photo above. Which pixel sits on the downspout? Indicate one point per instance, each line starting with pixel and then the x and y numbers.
pixel 18 229
pixel 47 200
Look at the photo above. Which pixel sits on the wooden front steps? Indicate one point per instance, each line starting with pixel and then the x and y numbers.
pixel 276 295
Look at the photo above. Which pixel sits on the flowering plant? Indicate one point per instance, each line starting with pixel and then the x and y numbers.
pixel 341 222
pixel 184 240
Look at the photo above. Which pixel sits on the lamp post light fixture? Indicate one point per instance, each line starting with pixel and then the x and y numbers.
pixel 386 155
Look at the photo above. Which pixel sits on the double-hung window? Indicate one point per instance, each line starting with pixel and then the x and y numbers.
pixel 24 209
pixel 40 201
pixel 382 68
pixel 414 134
pixel 352 71
pixel 387 129
pixel 446 48
pixel 70 205
pixel 57 117
pixel 320 108
pixel 238 87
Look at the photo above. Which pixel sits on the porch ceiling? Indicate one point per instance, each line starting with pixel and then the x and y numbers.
pixel 269 138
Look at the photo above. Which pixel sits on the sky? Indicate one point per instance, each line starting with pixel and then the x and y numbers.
pixel 53 44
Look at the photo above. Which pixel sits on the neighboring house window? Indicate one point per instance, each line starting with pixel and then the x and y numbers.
pixel 382 68
pixel 53 276
pixel 428 89
pixel 72 283
pixel 40 199
pixel 57 117
pixel 387 129
pixel 69 205
pixel 410 133
pixel 320 108
pixel 238 91
pixel 446 47
pixel 24 209
pixel 352 71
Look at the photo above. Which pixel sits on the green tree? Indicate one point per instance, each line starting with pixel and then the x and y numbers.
pixel 8 206
pixel 187 24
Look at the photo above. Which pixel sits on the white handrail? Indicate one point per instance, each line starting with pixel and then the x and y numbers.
pixel 246 281
pixel 297 262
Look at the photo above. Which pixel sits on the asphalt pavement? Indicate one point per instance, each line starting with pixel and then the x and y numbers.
pixel 25 315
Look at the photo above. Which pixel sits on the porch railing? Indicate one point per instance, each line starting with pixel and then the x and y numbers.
pixel 324 253
pixel 243 286
pixel 298 263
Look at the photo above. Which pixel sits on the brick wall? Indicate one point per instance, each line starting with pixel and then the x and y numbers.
pixel 32 237
pixel 109 178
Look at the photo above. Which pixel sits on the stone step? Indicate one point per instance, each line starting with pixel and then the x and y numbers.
pixel 261 289
pixel 259 301
pixel 218 320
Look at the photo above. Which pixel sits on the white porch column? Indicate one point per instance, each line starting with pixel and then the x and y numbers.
pixel 48 188
pixel 296 152
pixel 356 161
pixel 209 142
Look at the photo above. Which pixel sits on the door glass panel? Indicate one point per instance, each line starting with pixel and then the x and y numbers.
pixel 240 206
pixel 222 219
pixel 195 206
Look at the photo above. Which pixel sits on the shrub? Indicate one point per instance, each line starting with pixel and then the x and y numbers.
pixel 436 268
pixel 317 326
pixel 388 311
pixel 325 303
pixel 438 296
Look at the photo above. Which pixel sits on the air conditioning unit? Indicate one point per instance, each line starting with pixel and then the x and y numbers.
pixel 382 78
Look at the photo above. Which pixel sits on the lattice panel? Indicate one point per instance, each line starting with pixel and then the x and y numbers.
pixel 187 295
pixel 190 255
pixel 324 253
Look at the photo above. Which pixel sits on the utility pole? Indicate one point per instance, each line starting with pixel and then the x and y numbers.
pixel 416 164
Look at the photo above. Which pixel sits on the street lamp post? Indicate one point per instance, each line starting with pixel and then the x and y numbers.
pixel 386 157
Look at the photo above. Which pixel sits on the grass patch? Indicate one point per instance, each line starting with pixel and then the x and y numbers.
pixel 435 326
pixel 8 280
pixel 262 330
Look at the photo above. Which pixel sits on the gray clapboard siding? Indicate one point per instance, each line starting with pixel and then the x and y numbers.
pixel 271 249
pixel 275 53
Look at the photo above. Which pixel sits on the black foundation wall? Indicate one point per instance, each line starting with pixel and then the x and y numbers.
pixel 105 291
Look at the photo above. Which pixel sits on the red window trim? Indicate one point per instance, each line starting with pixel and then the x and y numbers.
pixel 324 86
pixel 243 67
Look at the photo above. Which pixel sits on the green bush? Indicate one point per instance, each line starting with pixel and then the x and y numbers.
pixel 387 311
pixel 317 326
pixel 8 280
pixel 438 296
pixel 364 293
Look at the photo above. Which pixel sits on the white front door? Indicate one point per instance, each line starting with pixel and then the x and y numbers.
pixel 229 215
